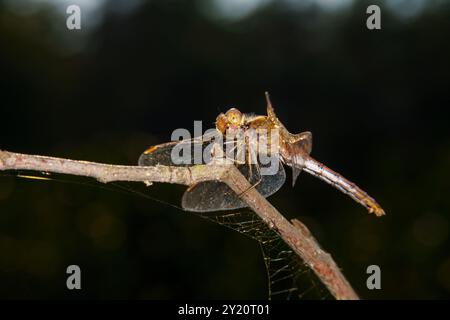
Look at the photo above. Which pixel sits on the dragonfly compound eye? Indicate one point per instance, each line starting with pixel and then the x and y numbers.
pixel 234 117
pixel 221 123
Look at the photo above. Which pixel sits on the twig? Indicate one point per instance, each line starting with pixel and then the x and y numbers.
pixel 296 235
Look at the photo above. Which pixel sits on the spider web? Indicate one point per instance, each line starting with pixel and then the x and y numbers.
pixel 289 278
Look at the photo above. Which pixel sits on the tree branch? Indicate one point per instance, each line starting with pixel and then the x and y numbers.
pixel 295 234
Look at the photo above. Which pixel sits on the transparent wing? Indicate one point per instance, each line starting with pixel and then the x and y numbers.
pixel 215 196
pixel 295 152
pixel 177 153
pixel 161 154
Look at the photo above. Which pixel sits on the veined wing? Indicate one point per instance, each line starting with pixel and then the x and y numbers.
pixel 215 195
pixel 161 154
pixel 175 153
pixel 189 152
pixel 294 150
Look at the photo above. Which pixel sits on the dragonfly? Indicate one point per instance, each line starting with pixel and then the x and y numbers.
pixel 292 150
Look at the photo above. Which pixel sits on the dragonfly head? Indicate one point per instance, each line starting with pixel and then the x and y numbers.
pixel 232 119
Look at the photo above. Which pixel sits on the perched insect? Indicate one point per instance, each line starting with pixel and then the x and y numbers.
pixel 290 149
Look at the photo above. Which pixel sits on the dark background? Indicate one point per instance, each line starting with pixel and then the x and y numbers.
pixel 376 101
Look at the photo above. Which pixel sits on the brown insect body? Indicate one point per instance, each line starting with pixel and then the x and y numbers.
pixel 295 151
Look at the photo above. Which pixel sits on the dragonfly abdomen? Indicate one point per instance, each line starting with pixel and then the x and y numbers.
pixel 333 178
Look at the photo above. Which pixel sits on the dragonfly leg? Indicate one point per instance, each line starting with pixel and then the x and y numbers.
pixel 250 175
pixel 251 187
